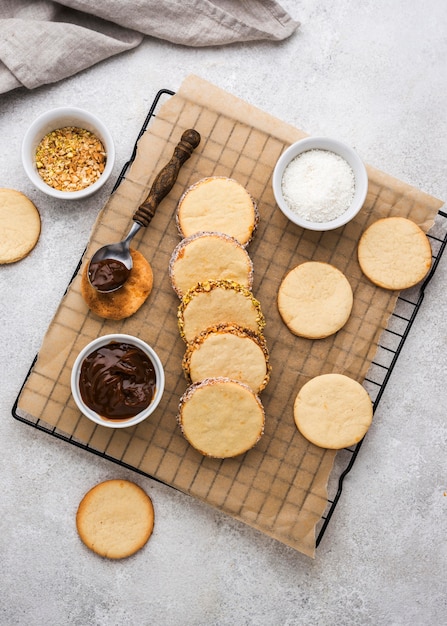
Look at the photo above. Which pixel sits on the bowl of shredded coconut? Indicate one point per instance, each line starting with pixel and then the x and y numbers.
pixel 320 183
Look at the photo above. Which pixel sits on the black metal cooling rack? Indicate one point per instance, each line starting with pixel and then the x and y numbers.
pixel 390 346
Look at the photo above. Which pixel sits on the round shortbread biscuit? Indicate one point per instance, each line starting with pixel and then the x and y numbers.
pixel 208 255
pixel 315 300
pixel 394 253
pixel 218 302
pixel 20 226
pixel 123 302
pixel 333 411
pixel 218 204
pixel 115 518
pixel 231 352
pixel 220 417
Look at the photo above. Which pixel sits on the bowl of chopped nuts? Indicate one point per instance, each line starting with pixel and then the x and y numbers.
pixel 68 153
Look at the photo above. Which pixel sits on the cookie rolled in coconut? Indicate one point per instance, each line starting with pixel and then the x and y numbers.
pixel 228 351
pixel 209 255
pixel 218 204
pixel 220 417
pixel 218 302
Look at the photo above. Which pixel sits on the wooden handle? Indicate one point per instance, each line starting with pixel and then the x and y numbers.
pixel 166 178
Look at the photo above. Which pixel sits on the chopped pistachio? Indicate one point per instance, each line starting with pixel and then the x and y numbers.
pixel 70 158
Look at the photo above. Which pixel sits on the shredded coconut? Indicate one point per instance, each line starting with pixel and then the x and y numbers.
pixel 318 185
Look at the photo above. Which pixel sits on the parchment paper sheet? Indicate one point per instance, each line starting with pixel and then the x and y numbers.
pixel 279 487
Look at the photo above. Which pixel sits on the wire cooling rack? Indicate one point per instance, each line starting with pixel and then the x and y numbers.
pixel 390 346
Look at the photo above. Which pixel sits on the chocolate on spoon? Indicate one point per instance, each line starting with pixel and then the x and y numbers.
pixel 110 266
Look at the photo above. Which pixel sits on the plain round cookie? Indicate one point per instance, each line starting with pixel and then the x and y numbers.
pixel 333 411
pixel 394 253
pixel 220 417
pixel 218 204
pixel 315 300
pixel 20 226
pixel 228 351
pixel 126 300
pixel 218 302
pixel 209 255
pixel 115 518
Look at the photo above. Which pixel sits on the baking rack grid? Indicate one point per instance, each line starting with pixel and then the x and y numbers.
pixel 390 346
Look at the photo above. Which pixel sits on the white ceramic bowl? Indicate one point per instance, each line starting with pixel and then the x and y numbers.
pixel 103 341
pixel 58 118
pixel 339 148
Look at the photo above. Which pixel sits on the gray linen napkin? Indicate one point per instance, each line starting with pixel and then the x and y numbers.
pixel 43 42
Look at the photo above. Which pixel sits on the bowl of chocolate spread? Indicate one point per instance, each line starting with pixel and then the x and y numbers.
pixel 117 380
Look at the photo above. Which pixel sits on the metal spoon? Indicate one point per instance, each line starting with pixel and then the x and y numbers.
pixel 110 266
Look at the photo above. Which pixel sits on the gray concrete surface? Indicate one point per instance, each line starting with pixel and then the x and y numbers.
pixel 374 75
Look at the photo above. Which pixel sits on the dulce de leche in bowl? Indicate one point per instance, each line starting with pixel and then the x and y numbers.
pixel 117 381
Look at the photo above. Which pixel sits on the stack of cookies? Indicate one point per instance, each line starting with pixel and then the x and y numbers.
pixel 226 360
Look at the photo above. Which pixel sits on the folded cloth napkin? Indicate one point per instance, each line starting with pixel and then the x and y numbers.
pixel 42 41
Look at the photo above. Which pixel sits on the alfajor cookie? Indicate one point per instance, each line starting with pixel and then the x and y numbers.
pixel 115 518
pixel 220 417
pixel 394 253
pixel 20 226
pixel 209 255
pixel 333 411
pixel 315 300
pixel 228 351
pixel 218 204
pixel 218 302
pixel 123 302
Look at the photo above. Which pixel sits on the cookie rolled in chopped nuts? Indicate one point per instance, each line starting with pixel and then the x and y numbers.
pixel 233 425
pixel 230 351
pixel 218 302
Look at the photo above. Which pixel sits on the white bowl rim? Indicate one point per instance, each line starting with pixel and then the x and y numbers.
pixel 104 340
pixel 332 145
pixel 44 124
